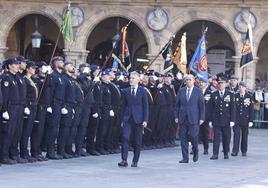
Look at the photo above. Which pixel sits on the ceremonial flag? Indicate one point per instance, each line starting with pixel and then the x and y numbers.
pixel 198 63
pixel 180 55
pixel 66 28
pixel 125 50
pixel 167 55
pixel 247 55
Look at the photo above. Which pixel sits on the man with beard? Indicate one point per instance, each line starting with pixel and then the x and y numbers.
pixel 86 84
pixel 10 109
pixel 57 95
pixel 67 112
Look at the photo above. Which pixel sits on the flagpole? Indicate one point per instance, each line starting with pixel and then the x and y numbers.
pixel 163 49
pixel 110 54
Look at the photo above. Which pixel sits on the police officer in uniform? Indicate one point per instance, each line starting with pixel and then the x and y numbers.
pixel 10 109
pixel 67 111
pixel 85 81
pixel 244 119
pixel 38 133
pixel 30 111
pixel 57 94
pixel 233 84
pixel 96 111
pixel 223 118
pixel 204 128
pixel 14 151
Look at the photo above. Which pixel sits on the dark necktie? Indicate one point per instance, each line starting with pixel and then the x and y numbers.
pixel 133 91
pixel 188 94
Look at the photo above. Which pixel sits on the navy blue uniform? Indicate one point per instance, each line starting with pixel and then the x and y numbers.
pixel 69 103
pixel 39 131
pixel 11 104
pixel 244 115
pixel 204 128
pixel 14 151
pixel 31 103
pixel 87 87
pixel 57 95
pixel 223 109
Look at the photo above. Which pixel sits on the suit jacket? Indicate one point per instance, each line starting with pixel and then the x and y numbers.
pixel 223 108
pixel 136 106
pixel 194 109
pixel 244 109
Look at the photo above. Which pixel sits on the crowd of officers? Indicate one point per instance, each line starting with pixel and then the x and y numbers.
pixel 71 112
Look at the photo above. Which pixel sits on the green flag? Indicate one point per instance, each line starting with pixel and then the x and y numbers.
pixel 66 27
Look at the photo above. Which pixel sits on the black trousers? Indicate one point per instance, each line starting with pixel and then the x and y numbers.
pixel 27 130
pixel 38 130
pixel 188 132
pixel 8 129
pixel 224 133
pixel 240 135
pixel 92 130
pixel 103 128
pixel 204 134
pixel 109 139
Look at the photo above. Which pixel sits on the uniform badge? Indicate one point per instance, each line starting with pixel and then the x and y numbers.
pixel 247 101
pixel 227 98
pixel 60 80
pixel 20 81
pixel 227 105
pixel 6 84
pixel 207 97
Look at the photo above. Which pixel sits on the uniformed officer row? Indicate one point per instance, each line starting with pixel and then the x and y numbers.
pixel 70 113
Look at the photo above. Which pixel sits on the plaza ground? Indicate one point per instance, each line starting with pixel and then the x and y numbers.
pixel 157 168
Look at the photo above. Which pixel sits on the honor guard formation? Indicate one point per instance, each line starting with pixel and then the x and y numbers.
pixel 58 111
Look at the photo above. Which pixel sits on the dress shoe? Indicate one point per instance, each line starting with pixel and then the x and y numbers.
pixel 234 154
pixel 244 154
pixel 205 152
pixel 183 161
pixel 195 157
pixel 53 156
pixel 83 153
pixel 94 152
pixel 40 158
pixel 226 156
pixel 214 157
pixel 117 150
pixel 20 160
pixel 30 159
pixel 8 161
pixel 123 164
pixel 134 164
pixel 102 152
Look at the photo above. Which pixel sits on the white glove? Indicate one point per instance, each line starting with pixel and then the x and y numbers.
pixel 210 124
pixel 201 122
pixel 232 124
pixel 73 111
pixel 111 113
pixel 250 124
pixel 155 77
pixel 49 110
pixel 64 111
pixel 49 69
pixel 144 124
pixel 5 115
pixel 44 69
pixel 96 79
pixel 27 111
pixel 159 86
pixel 95 115
pixel 86 70
pixel 121 77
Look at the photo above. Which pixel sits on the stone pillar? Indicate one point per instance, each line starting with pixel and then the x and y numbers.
pixel 76 56
pixel 237 70
pixel 2 53
pixel 158 64
pixel 250 73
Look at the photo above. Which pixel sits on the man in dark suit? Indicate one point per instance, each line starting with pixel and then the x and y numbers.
pixel 135 116
pixel 191 114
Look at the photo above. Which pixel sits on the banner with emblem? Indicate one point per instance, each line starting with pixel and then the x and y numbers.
pixel 198 63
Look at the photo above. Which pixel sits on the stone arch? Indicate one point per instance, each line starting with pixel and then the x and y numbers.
pixel 7 24
pixel 259 34
pixel 84 33
pixel 216 18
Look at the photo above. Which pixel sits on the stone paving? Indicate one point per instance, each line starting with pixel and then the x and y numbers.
pixel 157 168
